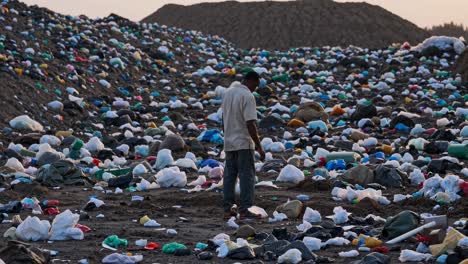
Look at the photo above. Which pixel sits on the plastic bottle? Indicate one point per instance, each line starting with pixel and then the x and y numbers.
pixel 458 150
pixel 347 156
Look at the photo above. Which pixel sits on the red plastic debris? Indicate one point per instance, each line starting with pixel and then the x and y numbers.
pixel 380 249
pixel 464 188
pixel 152 246
pixel 423 239
pixel 51 211
pixel 83 228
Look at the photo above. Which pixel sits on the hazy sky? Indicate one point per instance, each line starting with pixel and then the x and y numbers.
pixel 421 12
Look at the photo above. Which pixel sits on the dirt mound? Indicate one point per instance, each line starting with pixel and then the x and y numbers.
pixel 283 25
pixel 462 65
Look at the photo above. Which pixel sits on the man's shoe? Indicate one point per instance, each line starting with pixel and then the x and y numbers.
pixel 249 216
pixel 230 213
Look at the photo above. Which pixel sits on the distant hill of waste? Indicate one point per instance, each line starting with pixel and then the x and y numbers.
pixel 283 25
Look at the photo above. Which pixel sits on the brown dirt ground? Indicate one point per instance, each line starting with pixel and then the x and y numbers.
pixel 204 214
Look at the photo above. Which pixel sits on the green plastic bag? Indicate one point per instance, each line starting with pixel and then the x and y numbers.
pixel 399 224
pixel 172 247
pixel 115 242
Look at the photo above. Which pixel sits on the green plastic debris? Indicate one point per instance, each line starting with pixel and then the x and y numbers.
pixel 246 70
pixel 458 150
pixel 342 96
pixel 115 242
pixel 117 172
pixel 319 80
pixel 201 245
pixel 442 74
pixel 280 78
pixel 172 247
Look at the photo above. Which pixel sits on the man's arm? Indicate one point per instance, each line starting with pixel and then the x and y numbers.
pixel 252 128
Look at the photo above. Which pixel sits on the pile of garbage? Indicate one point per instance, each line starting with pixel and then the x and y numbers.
pixel 285 24
pixel 121 138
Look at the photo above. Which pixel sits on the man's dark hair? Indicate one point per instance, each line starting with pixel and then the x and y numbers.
pixel 252 75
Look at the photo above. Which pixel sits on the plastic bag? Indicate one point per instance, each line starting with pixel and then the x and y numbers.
pixel 94 144
pixel 14 164
pixel 416 177
pixel 304 226
pixel 407 255
pixel 216 173
pixel 24 122
pixel 232 223
pixel 337 241
pixel 312 216
pixel 292 256
pixel 144 185
pixel 171 177
pixel 172 247
pixel 219 239
pixel 340 216
pixel 312 243
pixel 185 163
pixel 63 227
pixel 199 181
pixel 33 229
pixel 164 159
pixel 277 217
pixel 116 258
pixel 349 254
pixel 51 140
pixel 139 170
pixel 290 174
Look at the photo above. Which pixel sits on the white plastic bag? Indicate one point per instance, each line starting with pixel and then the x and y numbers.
pixel 407 255
pixel 292 256
pixel 312 216
pixel 340 216
pixel 463 242
pixel 63 227
pixel 232 223
pixel 33 229
pixel 312 243
pixel 24 122
pixel 94 144
pixel 290 174
pixel 304 226
pixel 51 140
pixel 349 254
pixel 199 181
pixel 144 185
pixel 171 177
pixel 117 258
pixel 337 241
pixel 220 238
pixel 186 163
pixel 164 159
pixel 14 164
pixel 277 217
pixel 139 169
pixel 416 177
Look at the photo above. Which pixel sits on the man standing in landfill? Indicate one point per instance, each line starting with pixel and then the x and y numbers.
pixel 240 141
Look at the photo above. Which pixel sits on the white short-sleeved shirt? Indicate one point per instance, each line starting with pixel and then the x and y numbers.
pixel 238 107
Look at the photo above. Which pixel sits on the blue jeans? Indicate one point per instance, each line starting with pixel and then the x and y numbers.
pixel 239 163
